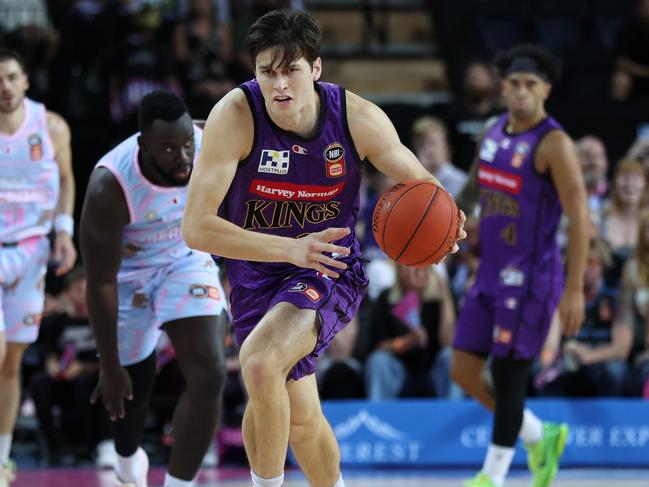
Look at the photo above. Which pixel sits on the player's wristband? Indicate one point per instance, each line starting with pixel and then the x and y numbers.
pixel 64 223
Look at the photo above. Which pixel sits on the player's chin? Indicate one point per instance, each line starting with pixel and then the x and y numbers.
pixel 181 181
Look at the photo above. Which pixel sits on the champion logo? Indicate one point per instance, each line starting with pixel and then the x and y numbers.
pixel 298 149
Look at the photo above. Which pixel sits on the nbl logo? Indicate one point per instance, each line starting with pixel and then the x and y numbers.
pixel 334 155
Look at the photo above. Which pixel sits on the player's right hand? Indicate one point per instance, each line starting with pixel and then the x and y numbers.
pixel 572 311
pixel 113 387
pixel 309 251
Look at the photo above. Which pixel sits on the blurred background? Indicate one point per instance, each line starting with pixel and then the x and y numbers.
pixel 427 63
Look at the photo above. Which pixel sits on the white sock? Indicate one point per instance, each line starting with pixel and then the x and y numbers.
pixel 531 429
pixel 496 464
pixel 340 482
pixel 128 468
pixel 259 482
pixel 174 482
pixel 5 448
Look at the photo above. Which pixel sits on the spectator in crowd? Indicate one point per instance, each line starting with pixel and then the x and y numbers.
pixel 619 225
pixel 594 165
pixel 594 363
pixel 639 150
pixel 244 13
pixel 25 26
pixel 71 372
pixel 633 306
pixel 379 269
pixel 464 265
pixel 430 142
pixel 339 373
pixel 141 64
pixel 466 118
pixel 203 49
pixel 630 77
pixel 411 327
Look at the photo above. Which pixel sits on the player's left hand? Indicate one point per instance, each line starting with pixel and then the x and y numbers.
pixel 461 233
pixel 571 311
pixel 64 253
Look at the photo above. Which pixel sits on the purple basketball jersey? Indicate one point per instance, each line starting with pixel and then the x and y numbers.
pixel 292 186
pixel 520 277
pixel 520 212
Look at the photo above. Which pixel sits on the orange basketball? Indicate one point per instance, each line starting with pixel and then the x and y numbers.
pixel 416 223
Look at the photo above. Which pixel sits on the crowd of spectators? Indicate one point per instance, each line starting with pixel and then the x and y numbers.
pixel 93 60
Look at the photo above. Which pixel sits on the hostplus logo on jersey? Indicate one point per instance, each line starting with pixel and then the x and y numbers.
pixel 274 161
pixel 488 150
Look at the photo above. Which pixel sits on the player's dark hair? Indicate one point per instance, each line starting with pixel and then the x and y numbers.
pixel 7 54
pixel 542 60
pixel 159 105
pixel 290 33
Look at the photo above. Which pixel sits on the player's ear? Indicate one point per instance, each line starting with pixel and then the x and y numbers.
pixel 547 90
pixel 141 143
pixel 317 68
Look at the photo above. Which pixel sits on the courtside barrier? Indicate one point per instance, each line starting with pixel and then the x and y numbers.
pixel 603 432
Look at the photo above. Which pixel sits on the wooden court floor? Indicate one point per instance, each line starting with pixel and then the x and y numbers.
pixel 403 478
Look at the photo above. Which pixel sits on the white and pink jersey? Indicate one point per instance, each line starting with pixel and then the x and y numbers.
pixel 152 238
pixel 29 178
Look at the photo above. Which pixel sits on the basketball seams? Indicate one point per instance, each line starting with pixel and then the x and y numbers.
pixel 390 213
pixel 444 241
pixel 416 223
pixel 423 217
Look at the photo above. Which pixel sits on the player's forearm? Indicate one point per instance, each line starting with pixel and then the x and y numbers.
pixel 218 236
pixel 102 311
pixel 65 205
pixel 578 236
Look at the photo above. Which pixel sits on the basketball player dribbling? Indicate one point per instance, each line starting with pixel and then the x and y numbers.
pixel 36 196
pixel 281 163
pixel 527 171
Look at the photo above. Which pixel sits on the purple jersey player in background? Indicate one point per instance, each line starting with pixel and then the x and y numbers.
pixel 281 163
pixel 526 172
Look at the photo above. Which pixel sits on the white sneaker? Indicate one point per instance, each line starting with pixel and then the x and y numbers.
pixel 106 455
pixel 211 458
pixel 141 467
pixel 7 474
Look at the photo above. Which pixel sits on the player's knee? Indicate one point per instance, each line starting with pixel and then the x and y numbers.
pixel 9 370
pixel 458 374
pixel 466 377
pixel 206 383
pixel 259 371
pixel 11 365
